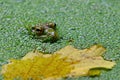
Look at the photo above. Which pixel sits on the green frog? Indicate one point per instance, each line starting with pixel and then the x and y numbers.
pixel 46 32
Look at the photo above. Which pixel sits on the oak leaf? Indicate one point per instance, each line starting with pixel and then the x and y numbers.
pixel 66 62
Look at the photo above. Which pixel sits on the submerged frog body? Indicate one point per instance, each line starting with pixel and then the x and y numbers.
pixel 46 31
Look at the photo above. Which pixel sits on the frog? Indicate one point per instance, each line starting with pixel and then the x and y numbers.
pixel 46 32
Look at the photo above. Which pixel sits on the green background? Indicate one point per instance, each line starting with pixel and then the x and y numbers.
pixel 81 23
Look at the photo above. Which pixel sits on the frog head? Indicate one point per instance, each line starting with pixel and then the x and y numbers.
pixel 46 32
pixel 38 30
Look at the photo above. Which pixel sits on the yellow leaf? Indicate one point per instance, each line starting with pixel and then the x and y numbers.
pixel 87 59
pixel 94 72
pixel 37 68
pixel 83 67
pixel 32 54
pixel 76 54
pixel 63 63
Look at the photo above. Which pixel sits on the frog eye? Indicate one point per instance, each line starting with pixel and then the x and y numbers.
pixel 38 30
pixel 51 25
pixel 54 24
